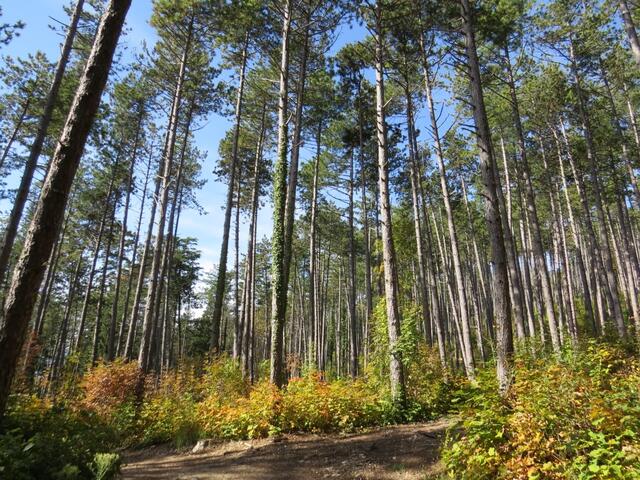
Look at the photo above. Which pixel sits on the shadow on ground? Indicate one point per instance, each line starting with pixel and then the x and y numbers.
pixel 391 453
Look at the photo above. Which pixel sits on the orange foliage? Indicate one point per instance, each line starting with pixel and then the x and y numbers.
pixel 107 386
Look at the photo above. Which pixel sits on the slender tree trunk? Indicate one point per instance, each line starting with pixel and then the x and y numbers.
pixel 438 314
pixel 94 262
pixel 103 282
pixel 365 226
pixel 313 287
pixel 224 248
pixel 480 266
pixel 279 283
pixel 32 162
pixel 148 320
pixel 127 295
pixel 467 350
pixel 353 329
pixel 58 355
pixel 611 288
pixel 249 307
pixel 582 271
pixel 536 241
pixel 504 343
pixel 52 268
pixel 137 298
pixel 165 268
pixel 49 212
pixel 296 143
pixel 238 327
pixel 630 27
pixel 111 347
pixel 396 371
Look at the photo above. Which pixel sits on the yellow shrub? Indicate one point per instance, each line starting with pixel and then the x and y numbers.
pixel 247 417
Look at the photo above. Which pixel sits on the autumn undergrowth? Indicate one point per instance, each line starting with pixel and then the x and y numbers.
pixel 576 416
pixel 98 415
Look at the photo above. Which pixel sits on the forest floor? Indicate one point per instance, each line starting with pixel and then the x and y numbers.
pixel 401 452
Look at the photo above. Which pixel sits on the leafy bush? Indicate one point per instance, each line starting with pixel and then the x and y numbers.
pixel 108 386
pixel 41 441
pixel 106 466
pixel 574 417
pixel 247 417
pixel 310 404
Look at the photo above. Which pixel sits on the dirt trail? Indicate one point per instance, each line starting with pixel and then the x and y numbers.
pixel 404 452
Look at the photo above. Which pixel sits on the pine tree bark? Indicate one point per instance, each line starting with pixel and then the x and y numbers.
pixel 396 370
pixel 504 343
pixel 313 274
pixel 278 280
pixel 532 211
pixel 630 28
pixel 150 304
pixel 296 143
pixel 49 212
pixel 111 347
pixel 59 351
pixel 353 321
pixel 604 250
pixel 94 262
pixel 137 297
pixel 103 282
pixel 249 307
pixel 467 349
pixel 580 264
pixel 221 279
pixel 127 295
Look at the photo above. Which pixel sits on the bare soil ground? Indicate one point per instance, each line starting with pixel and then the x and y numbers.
pixel 404 452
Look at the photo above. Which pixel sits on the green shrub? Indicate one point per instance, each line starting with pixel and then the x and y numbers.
pixel 106 466
pixel 41 441
pixel 573 417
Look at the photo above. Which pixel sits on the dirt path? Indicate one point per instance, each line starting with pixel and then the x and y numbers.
pixel 400 452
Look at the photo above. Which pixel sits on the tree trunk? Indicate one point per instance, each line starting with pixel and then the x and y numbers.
pixel 538 249
pixel 94 262
pixel 103 281
pixel 49 211
pixel 127 295
pixel 611 288
pixel 296 143
pixel 582 271
pixel 58 353
pixel 630 27
pixel 313 288
pixel 150 304
pixel 504 343
pixel 467 350
pixel 279 283
pixel 32 162
pixel 396 371
pixel 137 297
pixel 224 248
pixel 250 281
pixel 111 348
pixel 353 329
